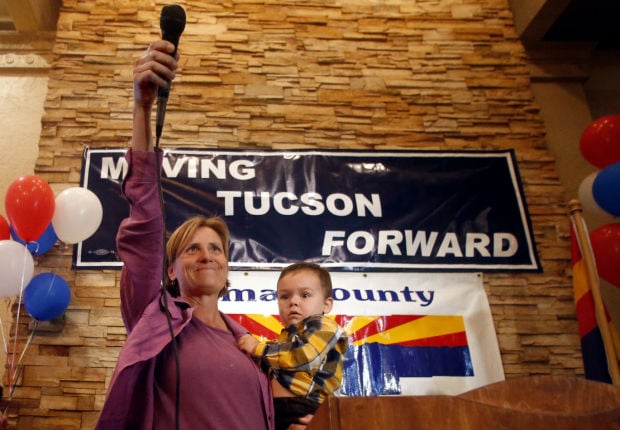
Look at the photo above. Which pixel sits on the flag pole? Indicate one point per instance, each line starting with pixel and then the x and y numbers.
pixel 583 239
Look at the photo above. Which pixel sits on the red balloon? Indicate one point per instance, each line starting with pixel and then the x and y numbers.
pixel 606 247
pixel 600 141
pixel 30 204
pixel 5 230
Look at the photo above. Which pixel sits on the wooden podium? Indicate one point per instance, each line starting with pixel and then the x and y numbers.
pixel 529 403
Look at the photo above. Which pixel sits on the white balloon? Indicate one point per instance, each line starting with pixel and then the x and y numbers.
pixel 16 268
pixel 77 215
pixel 587 198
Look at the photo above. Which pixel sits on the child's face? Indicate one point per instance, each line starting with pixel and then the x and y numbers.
pixel 300 295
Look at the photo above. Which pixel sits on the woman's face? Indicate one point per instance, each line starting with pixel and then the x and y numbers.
pixel 201 266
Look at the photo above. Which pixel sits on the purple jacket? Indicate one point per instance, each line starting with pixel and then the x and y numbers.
pixel 130 399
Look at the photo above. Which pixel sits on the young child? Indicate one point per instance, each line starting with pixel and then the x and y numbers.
pixel 305 361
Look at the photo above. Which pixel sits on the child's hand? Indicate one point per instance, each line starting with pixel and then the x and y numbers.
pixel 303 422
pixel 247 343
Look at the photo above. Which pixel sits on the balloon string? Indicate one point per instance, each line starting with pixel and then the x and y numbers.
pixel 28 342
pixel 12 367
pixel 17 370
pixel 5 342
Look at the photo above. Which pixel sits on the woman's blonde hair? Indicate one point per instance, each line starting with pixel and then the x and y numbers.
pixel 181 237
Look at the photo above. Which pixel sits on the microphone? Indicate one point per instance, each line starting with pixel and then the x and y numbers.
pixel 172 24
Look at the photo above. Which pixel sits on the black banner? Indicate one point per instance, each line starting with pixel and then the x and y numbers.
pixel 391 210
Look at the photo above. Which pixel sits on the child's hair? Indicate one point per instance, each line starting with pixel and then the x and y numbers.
pixel 323 275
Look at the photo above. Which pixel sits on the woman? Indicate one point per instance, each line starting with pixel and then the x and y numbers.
pixel 219 386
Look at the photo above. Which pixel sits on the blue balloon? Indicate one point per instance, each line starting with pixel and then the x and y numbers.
pixel 606 189
pixel 47 296
pixel 42 244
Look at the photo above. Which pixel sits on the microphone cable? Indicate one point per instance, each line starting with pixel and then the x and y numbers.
pixel 172 23
pixel 164 295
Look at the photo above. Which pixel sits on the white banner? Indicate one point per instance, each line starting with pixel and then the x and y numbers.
pixel 410 333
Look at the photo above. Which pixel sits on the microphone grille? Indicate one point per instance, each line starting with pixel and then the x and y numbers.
pixel 172 19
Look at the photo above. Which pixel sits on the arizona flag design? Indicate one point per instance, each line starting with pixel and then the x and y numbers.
pixel 592 346
pixel 384 349
pixel 409 333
